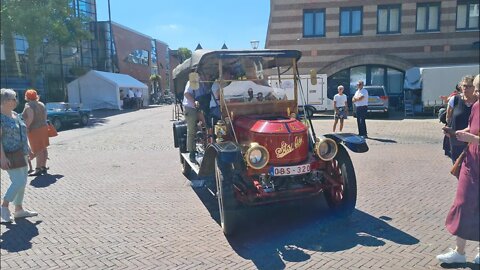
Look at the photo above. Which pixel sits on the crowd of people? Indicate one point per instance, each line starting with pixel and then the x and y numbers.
pixel 23 139
pixel 132 100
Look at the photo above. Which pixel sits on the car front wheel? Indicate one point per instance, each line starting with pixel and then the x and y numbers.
pixel 84 120
pixel 227 204
pixel 341 192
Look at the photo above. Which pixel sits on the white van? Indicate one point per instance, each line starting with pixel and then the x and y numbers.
pixel 314 97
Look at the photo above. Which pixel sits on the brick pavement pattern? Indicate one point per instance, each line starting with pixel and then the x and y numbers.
pixel 116 199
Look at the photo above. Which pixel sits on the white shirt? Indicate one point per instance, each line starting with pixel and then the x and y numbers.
pixel 138 93
pixel 130 93
pixel 361 93
pixel 187 102
pixel 340 100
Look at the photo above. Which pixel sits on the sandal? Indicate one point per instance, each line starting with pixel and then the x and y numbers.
pixel 37 172
pixel 44 169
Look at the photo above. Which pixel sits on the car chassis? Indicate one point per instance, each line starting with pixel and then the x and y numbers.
pixel 263 152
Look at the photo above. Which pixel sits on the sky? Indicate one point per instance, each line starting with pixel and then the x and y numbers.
pixel 185 23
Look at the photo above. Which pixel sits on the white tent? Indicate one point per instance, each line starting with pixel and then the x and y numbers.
pixel 101 90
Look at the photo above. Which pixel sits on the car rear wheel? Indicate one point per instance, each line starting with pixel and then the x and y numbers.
pixel 57 123
pixel 227 204
pixel 341 195
pixel 84 120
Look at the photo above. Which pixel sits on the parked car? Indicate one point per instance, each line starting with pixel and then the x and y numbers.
pixel 61 114
pixel 262 152
pixel 377 100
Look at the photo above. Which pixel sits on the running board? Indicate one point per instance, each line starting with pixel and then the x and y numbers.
pixel 195 167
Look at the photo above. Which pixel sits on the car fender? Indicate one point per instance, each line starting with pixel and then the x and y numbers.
pixel 352 141
pixel 227 152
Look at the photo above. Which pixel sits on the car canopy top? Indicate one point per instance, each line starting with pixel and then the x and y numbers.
pixel 206 61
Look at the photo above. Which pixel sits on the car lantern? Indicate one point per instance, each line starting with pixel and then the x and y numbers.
pixel 257 156
pixel 326 149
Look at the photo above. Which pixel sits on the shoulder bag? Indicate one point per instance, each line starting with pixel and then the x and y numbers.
pixel 17 158
pixel 455 171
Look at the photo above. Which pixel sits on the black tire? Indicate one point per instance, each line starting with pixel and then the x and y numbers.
pixel 84 120
pixel 186 169
pixel 342 199
pixel 227 204
pixel 57 123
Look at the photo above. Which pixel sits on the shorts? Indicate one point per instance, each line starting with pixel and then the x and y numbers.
pixel 342 113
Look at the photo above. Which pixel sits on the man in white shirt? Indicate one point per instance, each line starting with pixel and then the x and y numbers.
pixel 139 98
pixel 341 108
pixel 360 99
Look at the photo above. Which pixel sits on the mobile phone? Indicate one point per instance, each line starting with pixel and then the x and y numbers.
pixel 449 130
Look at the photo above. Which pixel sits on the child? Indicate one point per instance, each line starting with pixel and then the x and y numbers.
pixel 341 108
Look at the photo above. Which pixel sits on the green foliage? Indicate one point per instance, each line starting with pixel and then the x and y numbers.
pixel 53 21
pixel 155 78
pixel 184 54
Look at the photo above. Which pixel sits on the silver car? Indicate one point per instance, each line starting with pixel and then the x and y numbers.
pixel 377 100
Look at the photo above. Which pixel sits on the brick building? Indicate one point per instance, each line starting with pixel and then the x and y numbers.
pixel 375 40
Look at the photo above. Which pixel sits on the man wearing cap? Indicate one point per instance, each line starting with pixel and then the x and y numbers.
pixel 35 117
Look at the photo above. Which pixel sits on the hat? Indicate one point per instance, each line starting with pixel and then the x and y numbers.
pixel 31 95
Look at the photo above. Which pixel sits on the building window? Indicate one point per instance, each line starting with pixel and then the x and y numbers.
pixel 467 15
pixel 428 17
pixel 138 57
pixel 388 19
pixel 351 21
pixel 314 23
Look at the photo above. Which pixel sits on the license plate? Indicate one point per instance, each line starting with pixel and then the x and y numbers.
pixel 290 170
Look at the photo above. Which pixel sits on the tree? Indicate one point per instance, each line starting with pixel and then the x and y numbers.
pixel 156 79
pixel 47 21
pixel 183 54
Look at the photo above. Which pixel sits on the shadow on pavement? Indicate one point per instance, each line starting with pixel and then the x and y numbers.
pixel 270 235
pixel 46 180
pixel 19 235
pixel 468 265
pixel 382 140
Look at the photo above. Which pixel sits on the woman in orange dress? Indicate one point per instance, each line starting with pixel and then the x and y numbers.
pixel 35 117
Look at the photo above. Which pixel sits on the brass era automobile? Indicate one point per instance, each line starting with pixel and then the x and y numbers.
pixel 262 151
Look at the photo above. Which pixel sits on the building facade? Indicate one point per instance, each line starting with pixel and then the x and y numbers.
pixel 127 51
pixel 113 48
pixel 56 66
pixel 375 41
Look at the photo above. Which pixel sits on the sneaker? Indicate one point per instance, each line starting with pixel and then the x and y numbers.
pixel 452 257
pixel 25 213
pixel 477 259
pixel 5 213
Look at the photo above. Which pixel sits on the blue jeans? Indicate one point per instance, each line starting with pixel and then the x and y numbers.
pixel 361 116
pixel 16 190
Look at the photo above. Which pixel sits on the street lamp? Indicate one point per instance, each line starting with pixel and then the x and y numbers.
pixel 254 44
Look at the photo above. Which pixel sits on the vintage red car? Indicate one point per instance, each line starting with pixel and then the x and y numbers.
pixel 262 151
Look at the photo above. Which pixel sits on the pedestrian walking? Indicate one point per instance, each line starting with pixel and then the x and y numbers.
pixel 463 219
pixel 340 107
pixel 35 117
pixel 360 99
pixel 457 118
pixel 14 150
pixel 139 98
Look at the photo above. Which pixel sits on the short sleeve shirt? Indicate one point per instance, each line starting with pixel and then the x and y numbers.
pixel 12 138
pixel 186 102
pixel 341 100
pixel 361 93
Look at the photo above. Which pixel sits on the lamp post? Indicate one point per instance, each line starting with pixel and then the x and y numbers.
pixel 254 44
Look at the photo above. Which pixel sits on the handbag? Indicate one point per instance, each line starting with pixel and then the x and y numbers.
pixel 455 171
pixel 52 131
pixel 17 159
